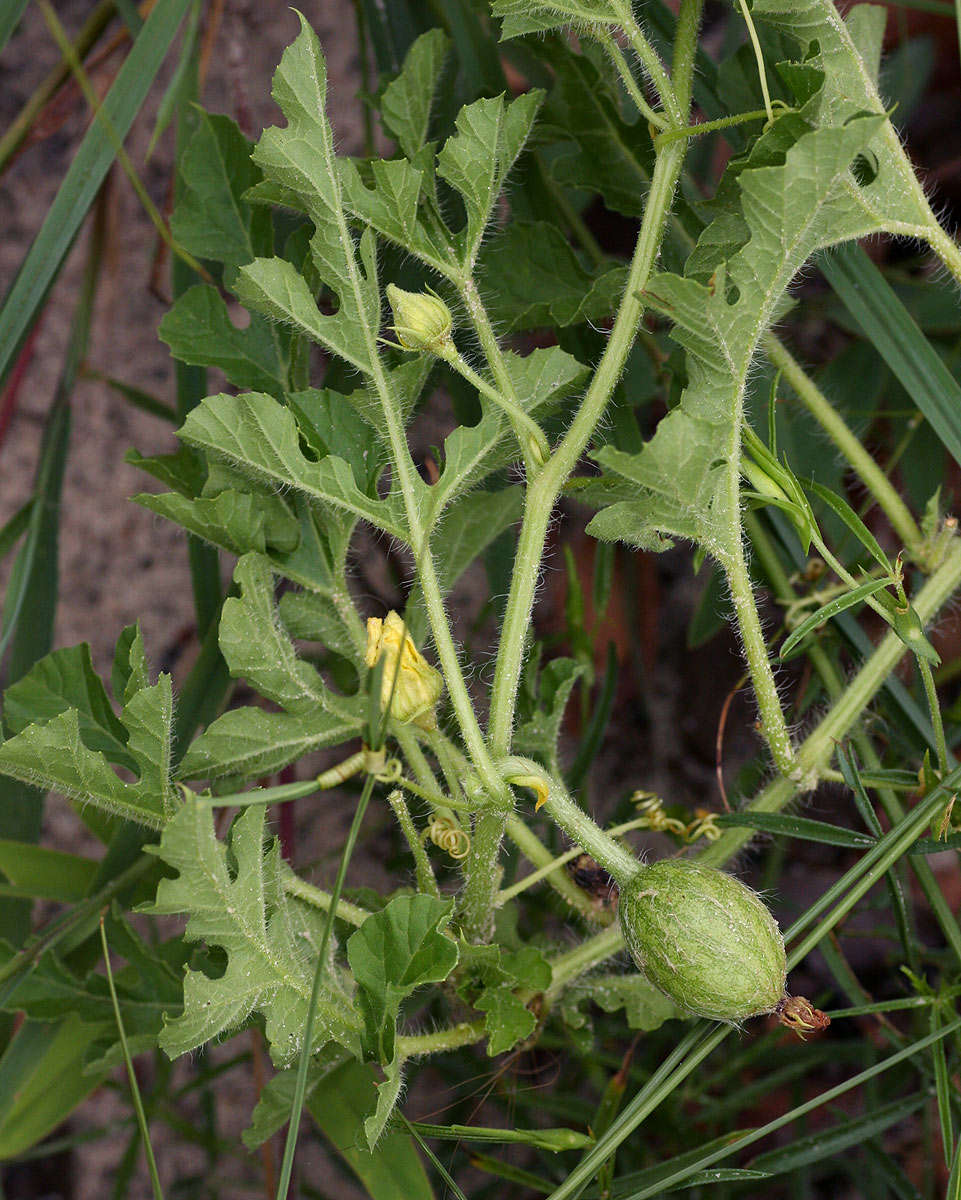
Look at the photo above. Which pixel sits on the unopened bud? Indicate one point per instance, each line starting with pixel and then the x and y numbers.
pixel 422 321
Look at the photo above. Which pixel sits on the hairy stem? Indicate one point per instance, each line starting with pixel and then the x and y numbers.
pixel 543 492
pixel 451 1038
pixel 425 873
pixel 619 863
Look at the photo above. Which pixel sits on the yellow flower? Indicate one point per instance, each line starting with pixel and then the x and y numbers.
pixel 418 685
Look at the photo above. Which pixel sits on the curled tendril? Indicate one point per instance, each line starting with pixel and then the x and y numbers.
pixel 450 837
pixel 390 771
pixel 656 819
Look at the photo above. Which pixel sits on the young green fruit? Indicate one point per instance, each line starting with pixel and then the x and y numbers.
pixel 705 940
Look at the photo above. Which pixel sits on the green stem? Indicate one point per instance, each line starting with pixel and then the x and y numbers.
pixel 567 967
pixel 944 246
pixel 543 492
pixel 441 1040
pixel 425 873
pixel 773 725
pixel 317 898
pixel 549 868
pixel 619 863
pixel 287 1165
pixel 649 57
pixel 530 436
pixel 833 424
pixel 550 863
pixel 615 54
pixel 482 874
pixel 702 127
pixel 931 695
pixel 758 54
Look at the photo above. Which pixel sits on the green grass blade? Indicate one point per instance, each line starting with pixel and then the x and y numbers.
pixel 84 177
pixel 14 529
pixel 832 609
pixel 942 1086
pixel 131 1074
pixel 438 1165
pixel 297 1107
pixel 802 1110
pixel 803 828
pixel 10 13
pixel 137 397
pixel 888 325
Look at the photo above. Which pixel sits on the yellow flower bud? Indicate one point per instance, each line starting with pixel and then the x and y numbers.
pixel 418 685
pixel 422 321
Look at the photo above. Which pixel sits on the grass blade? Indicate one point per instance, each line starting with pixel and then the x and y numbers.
pixel 18 524
pixel 131 1074
pixel 803 828
pixel 10 14
pixel 84 177
pixel 888 325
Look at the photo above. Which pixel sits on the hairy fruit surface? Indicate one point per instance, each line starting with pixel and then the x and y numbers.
pixel 704 939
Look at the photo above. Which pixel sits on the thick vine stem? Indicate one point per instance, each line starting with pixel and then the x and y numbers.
pixel 773 725
pixel 834 425
pixel 441 1040
pixel 543 492
pixel 619 863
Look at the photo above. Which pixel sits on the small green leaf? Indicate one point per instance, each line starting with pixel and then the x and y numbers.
pixel 56 757
pixel 851 519
pixel 539 731
pixel 508 1020
pixel 524 16
pixel 537 280
pixel 838 605
pixel 38 873
pixel 255 645
pixel 406 103
pixel 246 743
pixel 645 1008
pixel 211 219
pixel 233 520
pixel 393 953
pixel 478 157
pixel 199 331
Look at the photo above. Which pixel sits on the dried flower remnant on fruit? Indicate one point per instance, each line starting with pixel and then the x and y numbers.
pixel 422 321
pixel 418 685
pixel 800 1015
